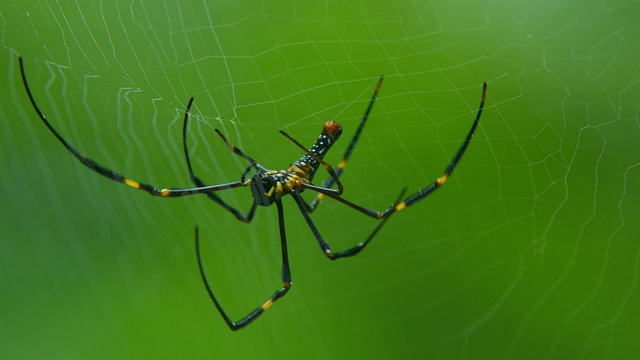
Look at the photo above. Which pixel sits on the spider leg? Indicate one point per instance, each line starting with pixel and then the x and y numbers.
pixel 286 280
pixel 329 192
pixel 199 183
pixel 420 194
pixel 340 168
pixel 236 150
pixel 91 164
pixel 324 246
pixel 426 191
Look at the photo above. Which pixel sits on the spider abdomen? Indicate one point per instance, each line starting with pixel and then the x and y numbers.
pixel 331 132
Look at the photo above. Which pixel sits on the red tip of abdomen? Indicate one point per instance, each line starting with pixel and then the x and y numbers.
pixel 332 128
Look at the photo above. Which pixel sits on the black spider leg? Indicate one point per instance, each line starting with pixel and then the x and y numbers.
pixel 89 163
pixel 286 279
pixel 420 194
pixel 384 215
pixel 199 183
pixel 326 248
pixel 426 191
pixel 340 168
pixel 253 164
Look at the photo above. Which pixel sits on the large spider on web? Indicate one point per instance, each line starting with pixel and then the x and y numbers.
pixel 270 186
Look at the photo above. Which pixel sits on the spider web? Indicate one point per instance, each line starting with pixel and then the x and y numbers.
pixel 529 251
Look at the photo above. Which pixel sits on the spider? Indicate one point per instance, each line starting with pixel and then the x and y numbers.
pixel 270 186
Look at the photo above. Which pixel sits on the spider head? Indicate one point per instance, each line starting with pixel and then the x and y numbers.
pixel 263 187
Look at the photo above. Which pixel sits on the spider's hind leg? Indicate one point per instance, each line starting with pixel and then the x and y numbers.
pixel 286 280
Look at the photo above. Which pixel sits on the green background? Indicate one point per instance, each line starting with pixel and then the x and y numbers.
pixel 530 251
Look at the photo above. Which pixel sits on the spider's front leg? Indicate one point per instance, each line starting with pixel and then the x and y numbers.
pixel 246 218
pixel 330 181
pixel 398 205
pixel 113 175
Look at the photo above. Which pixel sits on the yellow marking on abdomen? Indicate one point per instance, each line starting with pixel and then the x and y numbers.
pixel 342 164
pixel 401 206
pixel 165 192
